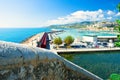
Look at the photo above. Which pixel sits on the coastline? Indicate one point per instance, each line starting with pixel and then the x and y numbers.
pixel 32 41
pixel 27 39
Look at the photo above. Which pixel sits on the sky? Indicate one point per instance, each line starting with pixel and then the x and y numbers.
pixel 40 13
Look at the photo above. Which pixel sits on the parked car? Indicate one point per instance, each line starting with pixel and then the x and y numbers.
pixel 83 46
pixel 105 44
pixel 100 45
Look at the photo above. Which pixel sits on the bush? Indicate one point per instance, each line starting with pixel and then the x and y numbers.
pixel 69 40
pixel 118 37
pixel 117 44
pixel 114 77
pixel 57 41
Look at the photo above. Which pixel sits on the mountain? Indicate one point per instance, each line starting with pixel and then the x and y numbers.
pixel 84 24
pixel 74 25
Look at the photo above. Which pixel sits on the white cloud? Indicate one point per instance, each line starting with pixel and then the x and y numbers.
pixel 118 14
pixel 80 16
pixel 109 18
pixel 110 12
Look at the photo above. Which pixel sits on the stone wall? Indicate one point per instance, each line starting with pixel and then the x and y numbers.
pixel 21 62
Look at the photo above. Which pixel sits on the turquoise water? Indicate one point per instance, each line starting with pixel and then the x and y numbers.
pixel 77 33
pixel 100 63
pixel 19 34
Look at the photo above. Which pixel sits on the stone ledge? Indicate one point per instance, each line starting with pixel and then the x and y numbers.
pixel 18 61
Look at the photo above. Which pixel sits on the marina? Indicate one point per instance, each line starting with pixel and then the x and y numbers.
pixel 45 40
pixel 80 49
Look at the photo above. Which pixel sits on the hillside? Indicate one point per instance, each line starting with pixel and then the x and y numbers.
pixel 74 25
pixel 85 24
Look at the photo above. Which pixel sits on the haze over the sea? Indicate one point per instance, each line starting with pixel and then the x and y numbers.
pixel 39 13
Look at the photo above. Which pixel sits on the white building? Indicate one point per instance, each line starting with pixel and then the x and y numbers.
pixel 89 38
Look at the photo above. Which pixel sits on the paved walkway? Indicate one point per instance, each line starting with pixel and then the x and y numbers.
pixel 64 50
pixel 33 40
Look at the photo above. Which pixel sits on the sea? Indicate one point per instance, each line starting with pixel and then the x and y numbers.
pixel 18 35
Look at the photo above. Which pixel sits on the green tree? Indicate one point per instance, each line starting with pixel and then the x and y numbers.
pixel 118 7
pixel 68 40
pixel 118 21
pixel 57 41
pixel 117 28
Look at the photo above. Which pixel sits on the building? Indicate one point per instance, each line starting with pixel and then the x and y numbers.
pixel 89 38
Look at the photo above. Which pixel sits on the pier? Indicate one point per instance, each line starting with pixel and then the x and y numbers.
pixel 72 50
pixel 42 40
pixel 57 31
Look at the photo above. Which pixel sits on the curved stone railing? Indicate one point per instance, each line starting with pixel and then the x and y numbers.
pixel 21 62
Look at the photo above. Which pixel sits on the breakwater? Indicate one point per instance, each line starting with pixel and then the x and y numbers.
pixel 32 41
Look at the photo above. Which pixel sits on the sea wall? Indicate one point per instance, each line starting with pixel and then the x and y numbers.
pixel 21 62
pixel 32 41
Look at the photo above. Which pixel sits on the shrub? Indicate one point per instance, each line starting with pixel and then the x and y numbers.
pixel 118 36
pixel 114 77
pixel 57 41
pixel 69 40
pixel 117 44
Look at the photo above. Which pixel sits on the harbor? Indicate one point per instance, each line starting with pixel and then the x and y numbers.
pixel 45 40
pixel 80 49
